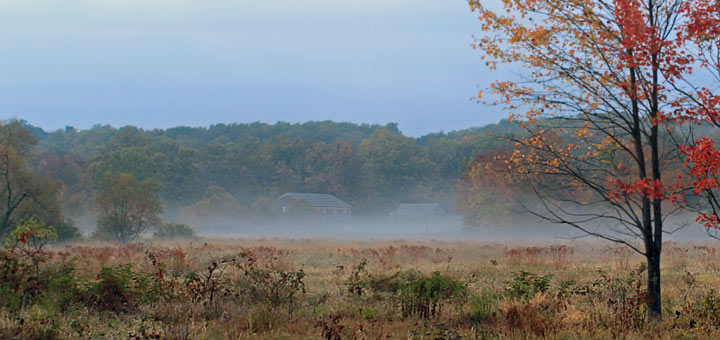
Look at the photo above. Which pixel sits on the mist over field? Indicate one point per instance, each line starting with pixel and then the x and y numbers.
pixel 450 229
pixel 224 180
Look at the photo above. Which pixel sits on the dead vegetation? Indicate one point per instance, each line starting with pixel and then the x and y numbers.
pixel 323 289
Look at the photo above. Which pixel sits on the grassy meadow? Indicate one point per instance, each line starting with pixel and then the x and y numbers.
pixel 330 289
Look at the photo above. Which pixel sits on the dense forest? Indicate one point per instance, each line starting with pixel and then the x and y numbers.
pixel 234 170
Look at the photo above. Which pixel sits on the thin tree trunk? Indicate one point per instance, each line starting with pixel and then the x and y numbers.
pixel 654 296
pixel 653 290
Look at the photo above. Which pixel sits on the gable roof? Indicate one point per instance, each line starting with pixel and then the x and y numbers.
pixel 419 210
pixel 315 200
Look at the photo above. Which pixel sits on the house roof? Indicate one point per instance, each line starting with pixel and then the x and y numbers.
pixel 315 200
pixel 419 210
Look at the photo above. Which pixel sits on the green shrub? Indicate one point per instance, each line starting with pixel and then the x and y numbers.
pixel 14 276
pixel 20 272
pixel 203 288
pixel 35 324
pixel 483 308
pixel 358 279
pixel 272 286
pixel 121 289
pixel 625 296
pixel 29 239
pixel 67 231
pixel 525 285
pixel 155 286
pixel 175 231
pixel 60 290
pixel 711 307
pixel 418 294
pixel 425 296
pixel 114 291
pixel 567 288
pixel 384 283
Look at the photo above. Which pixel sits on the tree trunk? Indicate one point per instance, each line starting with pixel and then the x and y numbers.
pixel 654 302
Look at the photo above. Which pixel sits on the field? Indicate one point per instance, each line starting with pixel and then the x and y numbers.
pixel 329 289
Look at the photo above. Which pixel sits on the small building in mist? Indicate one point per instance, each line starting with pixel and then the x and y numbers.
pixel 319 204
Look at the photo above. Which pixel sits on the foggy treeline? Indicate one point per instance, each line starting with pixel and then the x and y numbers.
pixel 224 178
pixel 234 171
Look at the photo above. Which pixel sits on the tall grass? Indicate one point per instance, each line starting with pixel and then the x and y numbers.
pixel 325 289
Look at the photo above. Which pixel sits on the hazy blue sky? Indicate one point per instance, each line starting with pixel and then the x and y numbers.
pixel 163 63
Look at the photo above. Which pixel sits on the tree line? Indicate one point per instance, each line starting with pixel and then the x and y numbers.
pixel 235 170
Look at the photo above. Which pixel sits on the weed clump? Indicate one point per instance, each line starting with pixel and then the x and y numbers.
pixel 419 295
pixel 272 286
pixel 114 290
pixel 525 285
pixel 425 296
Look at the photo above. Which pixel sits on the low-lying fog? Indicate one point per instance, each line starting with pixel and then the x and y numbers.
pixel 388 228
pixel 366 228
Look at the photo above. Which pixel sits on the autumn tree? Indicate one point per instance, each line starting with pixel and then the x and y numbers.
pixel 487 193
pixel 126 208
pixel 699 102
pixel 595 98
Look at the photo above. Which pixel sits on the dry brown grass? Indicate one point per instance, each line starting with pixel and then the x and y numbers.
pixel 595 292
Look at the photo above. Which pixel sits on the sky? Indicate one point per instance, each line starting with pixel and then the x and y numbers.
pixel 166 63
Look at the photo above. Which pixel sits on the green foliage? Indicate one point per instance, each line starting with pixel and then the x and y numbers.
pixel 205 287
pixel 35 324
pixel 126 208
pixel 274 287
pixel 358 279
pixel 267 285
pixel 567 288
pixel 709 308
pixel 373 167
pixel 483 308
pixel 218 202
pixel 419 295
pixel 425 296
pixel 29 239
pixel 24 284
pixel 113 291
pixel 59 289
pixel 525 285
pixel 626 296
pixel 122 289
pixel 154 286
pixel 30 236
pixel 392 163
pixel 67 231
pixel 14 276
pixel 24 194
pixel 174 231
